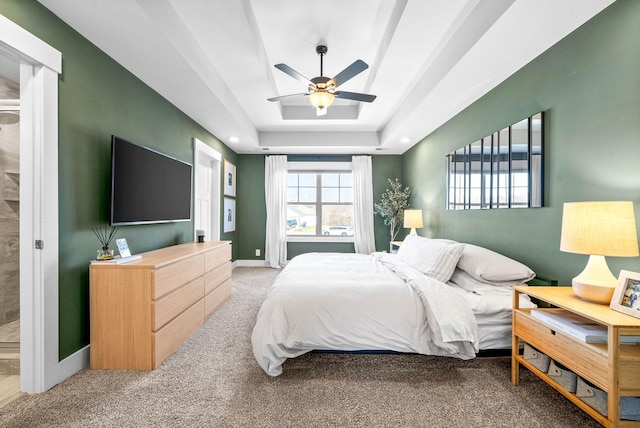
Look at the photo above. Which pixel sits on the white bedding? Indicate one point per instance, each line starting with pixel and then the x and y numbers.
pixel 356 302
pixel 493 310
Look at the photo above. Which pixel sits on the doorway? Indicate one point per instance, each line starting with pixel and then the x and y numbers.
pixel 9 232
pixel 39 67
pixel 207 190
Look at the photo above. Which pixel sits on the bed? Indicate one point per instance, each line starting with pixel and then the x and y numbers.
pixel 434 297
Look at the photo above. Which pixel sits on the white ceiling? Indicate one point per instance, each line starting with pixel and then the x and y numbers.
pixel 428 60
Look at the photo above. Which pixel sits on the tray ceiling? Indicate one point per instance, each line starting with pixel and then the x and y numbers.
pixel 428 60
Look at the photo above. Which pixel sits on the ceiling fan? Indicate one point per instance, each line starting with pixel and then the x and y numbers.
pixel 321 89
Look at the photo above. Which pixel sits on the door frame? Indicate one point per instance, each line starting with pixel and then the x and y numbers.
pixel 40 65
pixel 202 150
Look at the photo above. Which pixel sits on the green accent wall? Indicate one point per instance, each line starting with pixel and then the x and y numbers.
pixel 384 168
pixel 98 98
pixel 251 208
pixel 588 85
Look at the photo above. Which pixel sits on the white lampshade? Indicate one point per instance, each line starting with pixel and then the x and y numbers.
pixel 598 229
pixel 321 99
pixel 413 219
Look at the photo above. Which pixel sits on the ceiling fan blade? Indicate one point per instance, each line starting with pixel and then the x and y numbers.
pixel 354 69
pixel 354 96
pixel 282 97
pixel 291 72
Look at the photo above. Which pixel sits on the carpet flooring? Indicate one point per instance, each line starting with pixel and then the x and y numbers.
pixel 214 381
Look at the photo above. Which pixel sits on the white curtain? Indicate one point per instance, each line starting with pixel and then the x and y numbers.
pixel 275 186
pixel 363 204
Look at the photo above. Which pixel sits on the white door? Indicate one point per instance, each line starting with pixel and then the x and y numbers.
pixel 40 64
pixel 203 195
pixel 207 190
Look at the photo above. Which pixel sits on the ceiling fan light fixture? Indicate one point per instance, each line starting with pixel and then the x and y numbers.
pixel 321 99
pixel 321 89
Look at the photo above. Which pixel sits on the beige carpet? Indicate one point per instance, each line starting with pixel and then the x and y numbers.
pixel 213 381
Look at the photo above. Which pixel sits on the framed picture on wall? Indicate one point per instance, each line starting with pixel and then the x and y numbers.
pixel 229 178
pixel 229 215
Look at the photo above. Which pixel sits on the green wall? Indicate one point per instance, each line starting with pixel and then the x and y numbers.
pixel 252 213
pixel 98 98
pixel 251 208
pixel 588 85
pixel 385 167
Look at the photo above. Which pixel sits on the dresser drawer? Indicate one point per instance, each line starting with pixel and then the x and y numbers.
pixel 217 276
pixel 168 278
pixel 216 298
pixel 586 360
pixel 170 337
pixel 173 304
pixel 216 257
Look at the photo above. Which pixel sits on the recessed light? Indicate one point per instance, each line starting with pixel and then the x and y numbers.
pixel 234 139
pixel 405 140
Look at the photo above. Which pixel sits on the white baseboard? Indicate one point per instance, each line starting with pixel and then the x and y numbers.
pixel 249 263
pixel 73 363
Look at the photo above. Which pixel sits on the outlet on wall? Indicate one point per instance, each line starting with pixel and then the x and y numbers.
pixel 257 252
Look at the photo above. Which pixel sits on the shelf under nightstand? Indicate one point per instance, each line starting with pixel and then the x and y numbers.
pixel 612 367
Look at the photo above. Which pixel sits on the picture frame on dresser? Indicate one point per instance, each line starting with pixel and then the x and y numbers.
pixel 626 297
pixel 123 247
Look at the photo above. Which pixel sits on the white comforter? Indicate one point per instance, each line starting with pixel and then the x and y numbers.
pixel 350 302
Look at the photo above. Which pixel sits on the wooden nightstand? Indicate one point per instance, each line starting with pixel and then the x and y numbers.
pixel 612 367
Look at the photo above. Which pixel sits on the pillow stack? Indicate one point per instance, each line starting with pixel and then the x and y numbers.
pixel 469 266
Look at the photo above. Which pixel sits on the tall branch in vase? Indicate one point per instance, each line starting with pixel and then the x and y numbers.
pixel 392 204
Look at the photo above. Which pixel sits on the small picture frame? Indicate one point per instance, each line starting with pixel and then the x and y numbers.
pixel 229 178
pixel 626 297
pixel 229 215
pixel 123 248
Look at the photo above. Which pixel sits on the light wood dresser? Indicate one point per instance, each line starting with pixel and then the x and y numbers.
pixel 142 311
pixel 612 367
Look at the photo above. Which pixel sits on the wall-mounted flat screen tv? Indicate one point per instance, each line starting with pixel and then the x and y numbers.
pixel 147 186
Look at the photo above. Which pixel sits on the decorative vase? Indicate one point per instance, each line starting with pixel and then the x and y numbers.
pixel 105 254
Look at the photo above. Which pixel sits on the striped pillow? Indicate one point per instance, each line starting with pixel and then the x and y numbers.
pixel 435 259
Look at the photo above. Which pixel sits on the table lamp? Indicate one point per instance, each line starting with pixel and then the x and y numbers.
pixel 413 219
pixel 598 229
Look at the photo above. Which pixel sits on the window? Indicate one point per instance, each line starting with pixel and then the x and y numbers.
pixel 502 170
pixel 319 203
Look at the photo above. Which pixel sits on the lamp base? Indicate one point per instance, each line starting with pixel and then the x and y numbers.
pixel 593 293
pixel 595 283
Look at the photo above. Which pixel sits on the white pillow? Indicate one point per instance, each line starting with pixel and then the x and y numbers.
pixel 489 266
pixel 465 281
pixel 435 259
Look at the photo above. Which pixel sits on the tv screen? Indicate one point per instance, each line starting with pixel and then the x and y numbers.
pixel 147 186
